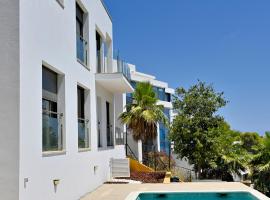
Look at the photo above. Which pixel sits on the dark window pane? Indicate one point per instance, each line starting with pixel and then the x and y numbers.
pixel 79 20
pixel 168 97
pixel 81 102
pixel 49 80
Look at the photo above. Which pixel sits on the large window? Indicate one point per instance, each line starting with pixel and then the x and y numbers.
pixel 52 125
pixel 160 93
pixel 83 122
pixel 109 126
pixel 82 33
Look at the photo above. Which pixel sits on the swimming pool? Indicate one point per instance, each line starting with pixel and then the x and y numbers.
pixel 196 196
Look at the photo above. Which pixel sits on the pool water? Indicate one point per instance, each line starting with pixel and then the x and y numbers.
pixel 197 196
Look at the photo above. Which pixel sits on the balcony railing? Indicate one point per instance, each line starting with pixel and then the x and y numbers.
pixel 123 67
pixel 109 136
pixel 83 133
pixel 119 136
pixel 82 50
pixel 103 63
pixel 52 131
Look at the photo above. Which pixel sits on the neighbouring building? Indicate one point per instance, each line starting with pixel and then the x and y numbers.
pixel 59 89
pixel 164 94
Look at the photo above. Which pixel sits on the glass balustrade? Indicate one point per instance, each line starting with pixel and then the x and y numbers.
pixel 52 131
pixel 83 136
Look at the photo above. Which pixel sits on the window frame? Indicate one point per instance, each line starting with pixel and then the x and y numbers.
pixel 52 97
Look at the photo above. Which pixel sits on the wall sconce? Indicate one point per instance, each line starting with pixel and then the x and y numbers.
pixel 56 182
pixel 95 169
pixel 25 181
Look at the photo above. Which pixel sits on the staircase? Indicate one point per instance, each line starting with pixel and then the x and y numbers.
pixel 120 167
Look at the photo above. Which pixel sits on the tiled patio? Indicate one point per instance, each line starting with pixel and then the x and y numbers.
pixel 121 191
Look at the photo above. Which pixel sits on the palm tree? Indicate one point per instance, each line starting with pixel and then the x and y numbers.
pixel 261 166
pixel 142 116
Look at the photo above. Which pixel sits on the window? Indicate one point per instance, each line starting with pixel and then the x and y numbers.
pixel 109 126
pixel 160 93
pixel 82 34
pixel 83 123
pixel 99 52
pixel 99 122
pixel 168 97
pixel 52 124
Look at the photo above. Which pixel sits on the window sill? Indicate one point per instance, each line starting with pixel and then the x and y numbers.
pixel 85 66
pixel 53 153
pixel 84 150
pixel 105 148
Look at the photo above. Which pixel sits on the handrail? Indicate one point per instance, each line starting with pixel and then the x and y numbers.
pixel 82 119
pixel 51 112
pixel 132 153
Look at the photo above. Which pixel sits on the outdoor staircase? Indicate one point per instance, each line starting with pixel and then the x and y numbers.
pixel 120 167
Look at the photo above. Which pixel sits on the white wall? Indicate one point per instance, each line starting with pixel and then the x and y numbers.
pixel 48 34
pixel 9 99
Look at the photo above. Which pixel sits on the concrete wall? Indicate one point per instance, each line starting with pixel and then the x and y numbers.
pixel 9 99
pixel 48 36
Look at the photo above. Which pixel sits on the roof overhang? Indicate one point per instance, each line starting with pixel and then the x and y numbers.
pixel 114 82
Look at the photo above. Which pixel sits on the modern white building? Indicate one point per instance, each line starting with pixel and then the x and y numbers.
pixel 164 94
pixel 59 88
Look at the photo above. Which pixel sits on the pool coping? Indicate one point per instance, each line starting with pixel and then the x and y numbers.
pixel 255 193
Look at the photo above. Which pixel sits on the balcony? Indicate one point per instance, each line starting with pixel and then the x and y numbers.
pixel 114 76
pixel 82 50
pixel 83 133
pixel 52 128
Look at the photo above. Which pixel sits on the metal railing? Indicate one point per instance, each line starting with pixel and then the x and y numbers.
pixel 123 68
pixel 104 61
pixel 152 158
pixel 52 131
pixel 130 153
pixel 82 50
pixel 83 133
pixel 119 136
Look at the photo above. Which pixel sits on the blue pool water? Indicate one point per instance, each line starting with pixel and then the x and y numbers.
pixel 197 196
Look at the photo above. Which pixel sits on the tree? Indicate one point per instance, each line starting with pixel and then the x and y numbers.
pixel 261 166
pixel 191 129
pixel 232 156
pixel 251 142
pixel 142 116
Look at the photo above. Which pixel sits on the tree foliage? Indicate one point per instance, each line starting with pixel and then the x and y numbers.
pixel 261 166
pixel 251 142
pixel 203 137
pixel 142 116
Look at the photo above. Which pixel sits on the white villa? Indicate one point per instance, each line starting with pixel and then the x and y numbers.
pixel 60 92
pixel 164 94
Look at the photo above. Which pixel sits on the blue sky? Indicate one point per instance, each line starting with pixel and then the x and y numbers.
pixel 224 42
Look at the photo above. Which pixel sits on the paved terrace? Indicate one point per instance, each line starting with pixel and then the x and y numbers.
pixel 121 191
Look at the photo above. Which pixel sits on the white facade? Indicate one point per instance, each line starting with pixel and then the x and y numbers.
pixel 41 34
pixel 136 147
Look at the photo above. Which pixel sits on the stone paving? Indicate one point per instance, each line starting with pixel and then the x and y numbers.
pixel 121 191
